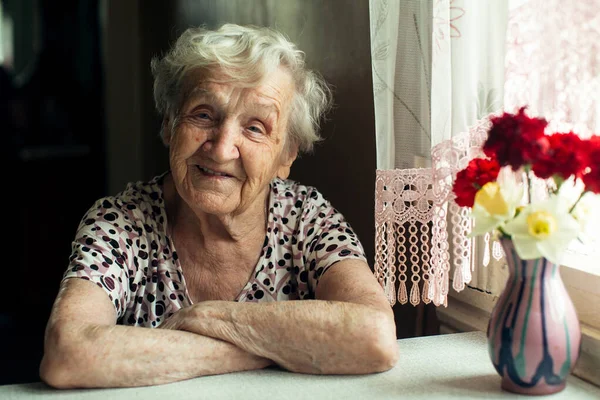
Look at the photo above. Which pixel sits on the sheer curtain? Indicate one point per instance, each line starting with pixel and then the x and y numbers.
pixel 553 66
pixel 401 37
pixel 440 70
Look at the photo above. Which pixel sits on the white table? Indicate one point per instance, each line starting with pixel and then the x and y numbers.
pixel 434 367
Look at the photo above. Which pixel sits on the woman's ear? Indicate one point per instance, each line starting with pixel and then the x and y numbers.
pixel 166 131
pixel 287 160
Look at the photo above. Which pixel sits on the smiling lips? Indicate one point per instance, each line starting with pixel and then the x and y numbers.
pixel 210 172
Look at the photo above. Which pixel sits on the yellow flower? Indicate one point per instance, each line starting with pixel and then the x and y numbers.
pixel 541 224
pixel 490 197
pixel 543 229
pixel 495 203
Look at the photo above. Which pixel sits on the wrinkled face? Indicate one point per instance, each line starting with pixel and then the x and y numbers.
pixel 230 142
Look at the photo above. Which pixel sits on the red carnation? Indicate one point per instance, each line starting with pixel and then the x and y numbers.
pixel 592 149
pixel 592 178
pixel 469 180
pixel 516 139
pixel 566 155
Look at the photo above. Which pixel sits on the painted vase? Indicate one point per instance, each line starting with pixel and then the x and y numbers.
pixel 533 333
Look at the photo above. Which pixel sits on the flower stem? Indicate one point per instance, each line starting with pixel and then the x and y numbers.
pixel 575 205
pixel 503 232
pixel 529 188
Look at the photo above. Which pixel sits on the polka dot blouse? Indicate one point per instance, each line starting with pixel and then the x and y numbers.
pixel 122 246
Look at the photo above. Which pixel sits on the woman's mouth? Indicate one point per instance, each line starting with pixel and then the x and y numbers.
pixel 210 172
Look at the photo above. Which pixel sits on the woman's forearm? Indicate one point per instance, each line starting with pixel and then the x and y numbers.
pixel 303 336
pixel 122 356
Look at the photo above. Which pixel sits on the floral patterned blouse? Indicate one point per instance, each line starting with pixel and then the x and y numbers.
pixel 122 245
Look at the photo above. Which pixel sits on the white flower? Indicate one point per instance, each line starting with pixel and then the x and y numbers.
pixel 587 214
pixel 544 229
pixel 586 211
pixel 570 190
pixel 496 203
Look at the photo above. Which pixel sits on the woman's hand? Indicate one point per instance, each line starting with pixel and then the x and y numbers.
pixel 194 317
pixel 348 329
pixel 333 335
pixel 177 321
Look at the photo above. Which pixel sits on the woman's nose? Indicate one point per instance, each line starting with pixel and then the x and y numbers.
pixel 223 145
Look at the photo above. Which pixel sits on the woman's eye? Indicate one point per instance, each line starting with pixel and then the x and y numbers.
pixel 203 116
pixel 256 129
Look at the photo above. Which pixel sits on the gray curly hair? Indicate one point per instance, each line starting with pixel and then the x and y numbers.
pixel 245 54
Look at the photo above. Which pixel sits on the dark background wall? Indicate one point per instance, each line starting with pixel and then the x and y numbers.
pixel 53 157
pixel 76 106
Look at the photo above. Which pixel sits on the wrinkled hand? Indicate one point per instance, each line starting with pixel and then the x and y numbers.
pixel 199 317
pixel 211 319
pixel 177 321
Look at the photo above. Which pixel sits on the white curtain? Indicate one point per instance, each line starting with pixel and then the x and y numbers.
pixel 401 58
pixel 438 66
pixel 440 69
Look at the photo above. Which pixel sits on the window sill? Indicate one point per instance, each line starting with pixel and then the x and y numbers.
pixel 470 310
pixel 583 259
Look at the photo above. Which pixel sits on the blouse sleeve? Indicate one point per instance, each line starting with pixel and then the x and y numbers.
pixel 328 238
pixel 100 252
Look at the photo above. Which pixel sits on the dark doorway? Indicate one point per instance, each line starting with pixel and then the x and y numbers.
pixel 52 122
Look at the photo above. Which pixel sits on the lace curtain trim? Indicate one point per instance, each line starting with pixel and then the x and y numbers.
pixel 414 220
pixel 421 234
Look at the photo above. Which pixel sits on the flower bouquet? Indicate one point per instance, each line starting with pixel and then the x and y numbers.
pixel 533 332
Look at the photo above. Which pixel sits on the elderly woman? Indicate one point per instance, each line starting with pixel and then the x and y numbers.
pixel 238 267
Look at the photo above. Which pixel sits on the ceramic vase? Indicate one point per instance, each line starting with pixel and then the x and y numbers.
pixel 533 333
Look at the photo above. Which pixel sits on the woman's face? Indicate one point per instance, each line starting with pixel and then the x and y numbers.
pixel 230 142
